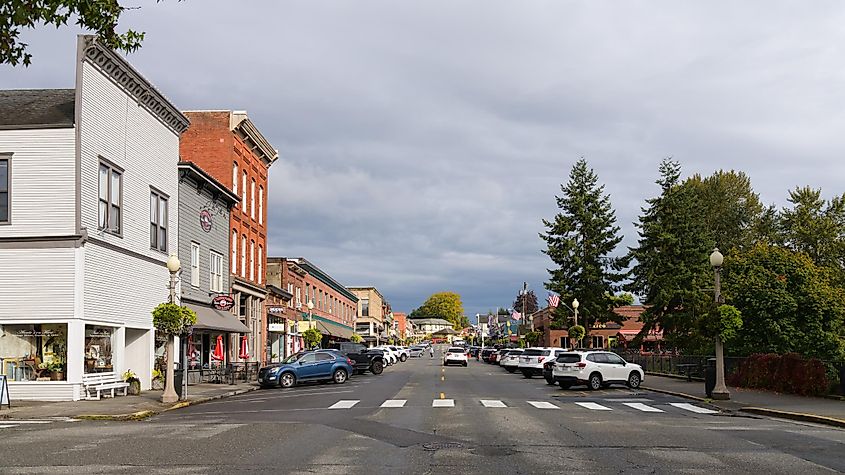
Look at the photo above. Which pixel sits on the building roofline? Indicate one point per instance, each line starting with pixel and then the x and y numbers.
pixel 319 274
pixel 219 188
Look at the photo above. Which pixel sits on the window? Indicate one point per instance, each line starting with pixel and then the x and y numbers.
pixel 252 199
pixel 243 191
pixel 111 190
pixel 365 307
pixel 260 264
pixel 27 347
pixel 320 301
pixel 298 297
pixel 195 264
pixel 243 256
pixel 98 349
pixel 158 221
pixel 251 260
pixel 5 184
pixel 260 205
pixel 234 251
pixel 324 357
pixel 290 291
pixel 235 177
pixel 216 262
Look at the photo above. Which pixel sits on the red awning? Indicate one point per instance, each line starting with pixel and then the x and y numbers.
pixel 653 335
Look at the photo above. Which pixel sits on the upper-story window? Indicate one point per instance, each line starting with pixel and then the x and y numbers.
pixel 260 205
pixel 365 307
pixel 234 251
pixel 111 192
pixel 158 221
pixel 252 260
pixel 290 291
pixel 252 199
pixel 243 255
pixel 243 191
pixel 235 177
pixel 216 264
pixel 298 297
pixel 5 184
pixel 320 301
pixel 260 264
pixel 195 264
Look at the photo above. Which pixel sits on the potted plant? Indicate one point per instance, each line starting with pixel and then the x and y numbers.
pixel 158 380
pixel 134 383
pixel 57 371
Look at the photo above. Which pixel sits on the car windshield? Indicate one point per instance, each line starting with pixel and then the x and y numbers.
pixel 455 350
pixel 536 352
pixel 569 358
pixel 514 352
pixel 292 358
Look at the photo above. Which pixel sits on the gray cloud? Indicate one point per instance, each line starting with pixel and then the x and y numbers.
pixel 422 142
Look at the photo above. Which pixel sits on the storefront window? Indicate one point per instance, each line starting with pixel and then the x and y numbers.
pixel 98 349
pixel 36 352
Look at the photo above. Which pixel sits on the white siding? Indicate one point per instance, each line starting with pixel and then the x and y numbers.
pixel 37 284
pixel 116 127
pixel 44 391
pixel 42 182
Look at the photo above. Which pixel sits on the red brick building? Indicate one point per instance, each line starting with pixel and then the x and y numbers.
pixel 602 335
pixel 402 324
pixel 228 146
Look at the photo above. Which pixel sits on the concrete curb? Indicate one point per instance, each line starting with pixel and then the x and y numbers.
pixel 142 415
pixel 797 416
pixel 686 396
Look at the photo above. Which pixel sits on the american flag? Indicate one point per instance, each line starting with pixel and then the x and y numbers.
pixel 553 300
pixel 516 315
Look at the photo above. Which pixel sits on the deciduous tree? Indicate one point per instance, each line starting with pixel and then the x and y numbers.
pixel 445 305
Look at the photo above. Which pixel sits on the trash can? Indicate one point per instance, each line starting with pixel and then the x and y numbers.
pixel 177 381
pixel 710 376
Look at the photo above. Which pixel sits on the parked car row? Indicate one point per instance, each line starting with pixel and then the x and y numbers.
pixel 592 368
pixel 338 364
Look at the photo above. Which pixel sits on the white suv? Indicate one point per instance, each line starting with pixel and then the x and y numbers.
pixel 401 352
pixel 511 360
pixel 531 360
pixel 390 356
pixel 455 355
pixel 595 369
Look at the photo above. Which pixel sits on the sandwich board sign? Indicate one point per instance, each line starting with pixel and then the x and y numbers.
pixel 4 392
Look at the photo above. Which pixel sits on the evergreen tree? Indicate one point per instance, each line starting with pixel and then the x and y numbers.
pixel 580 242
pixel 530 303
pixel 816 228
pixel 671 259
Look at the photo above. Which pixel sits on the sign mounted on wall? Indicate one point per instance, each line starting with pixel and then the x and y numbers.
pixel 205 220
pixel 223 302
pixel 4 392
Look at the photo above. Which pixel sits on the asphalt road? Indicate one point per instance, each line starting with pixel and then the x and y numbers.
pixel 491 422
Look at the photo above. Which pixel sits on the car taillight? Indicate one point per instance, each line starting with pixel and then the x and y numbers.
pixel 349 360
pixel 581 365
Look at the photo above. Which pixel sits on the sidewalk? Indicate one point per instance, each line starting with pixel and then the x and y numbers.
pixel 810 409
pixel 120 407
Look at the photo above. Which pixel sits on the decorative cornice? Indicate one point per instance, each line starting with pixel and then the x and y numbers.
pixel 130 80
pixel 249 133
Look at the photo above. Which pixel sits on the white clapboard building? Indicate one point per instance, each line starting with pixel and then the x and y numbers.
pixel 88 217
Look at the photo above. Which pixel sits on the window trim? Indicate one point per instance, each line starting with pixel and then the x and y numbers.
pixel 211 275
pixel 159 197
pixel 243 192
pixel 102 161
pixel 7 157
pixel 195 245
pixel 252 199
pixel 260 205
pixel 234 252
pixel 235 176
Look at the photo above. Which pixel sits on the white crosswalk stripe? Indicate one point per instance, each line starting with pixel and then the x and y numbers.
pixel 543 405
pixel 344 404
pixel 689 407
pixel 12 423
pixel 443 403
pixel 593 406
pixel 394 403
pixel 6 427
pixel 492 403
pixel 642 407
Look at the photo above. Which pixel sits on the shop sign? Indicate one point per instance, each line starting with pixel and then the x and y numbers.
pixel 205 220
pixel 276 309
pixel 223 302
pixel 276 327
pixel 34 333
pixel 99 332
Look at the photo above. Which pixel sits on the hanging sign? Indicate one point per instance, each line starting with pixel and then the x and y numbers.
pixel 276 327
pixel 223 302
pixel 205 220
pixel 4 392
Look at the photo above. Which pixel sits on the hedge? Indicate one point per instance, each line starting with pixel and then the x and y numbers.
pixel 789 373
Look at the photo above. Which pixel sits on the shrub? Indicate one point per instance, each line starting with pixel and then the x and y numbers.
pixel 789 373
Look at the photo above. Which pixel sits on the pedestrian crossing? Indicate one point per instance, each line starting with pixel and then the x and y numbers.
pixel 606 405
pixel 32 423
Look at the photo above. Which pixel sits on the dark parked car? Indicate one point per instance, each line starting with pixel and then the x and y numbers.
pixel 485 354
pixel 316 365
pixel 365 359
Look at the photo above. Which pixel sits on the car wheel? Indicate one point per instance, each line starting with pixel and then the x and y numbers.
pixel 550 382
pixel 287 380
pixel 340 376
pixel 594 383
pixel 526 375
pixel 465 363
pixel 634 380
pixel 403 358
pixel 565 385
pixel 510 369
pixel 377 367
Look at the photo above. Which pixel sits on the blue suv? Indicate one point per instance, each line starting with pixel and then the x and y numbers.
pixel 317 365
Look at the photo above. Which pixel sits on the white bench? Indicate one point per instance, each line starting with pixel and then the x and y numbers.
pixel 95 383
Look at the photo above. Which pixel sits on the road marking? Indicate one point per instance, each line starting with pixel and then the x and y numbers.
pixel 543 405
pixel 6 427
pixel 344 404
pixel 594 406
pixel 492 403
pixel 443 403
pixel 394 403
pixel 442 395
pixel 641 407
pixel 26 422
pixel 443 378
pixel 689 407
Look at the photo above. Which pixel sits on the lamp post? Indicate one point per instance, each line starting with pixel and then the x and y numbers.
pixel 575 305
pixel 310 306
pixel 170 396
pixel 720 391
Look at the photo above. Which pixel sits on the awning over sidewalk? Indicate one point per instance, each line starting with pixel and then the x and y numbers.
pixel 334 330
pixel 653 335
pixel 212 319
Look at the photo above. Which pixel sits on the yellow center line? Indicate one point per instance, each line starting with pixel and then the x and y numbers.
pixel 443 378
pixel 442 395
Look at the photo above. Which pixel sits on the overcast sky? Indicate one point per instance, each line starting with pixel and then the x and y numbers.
pixel 421 143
